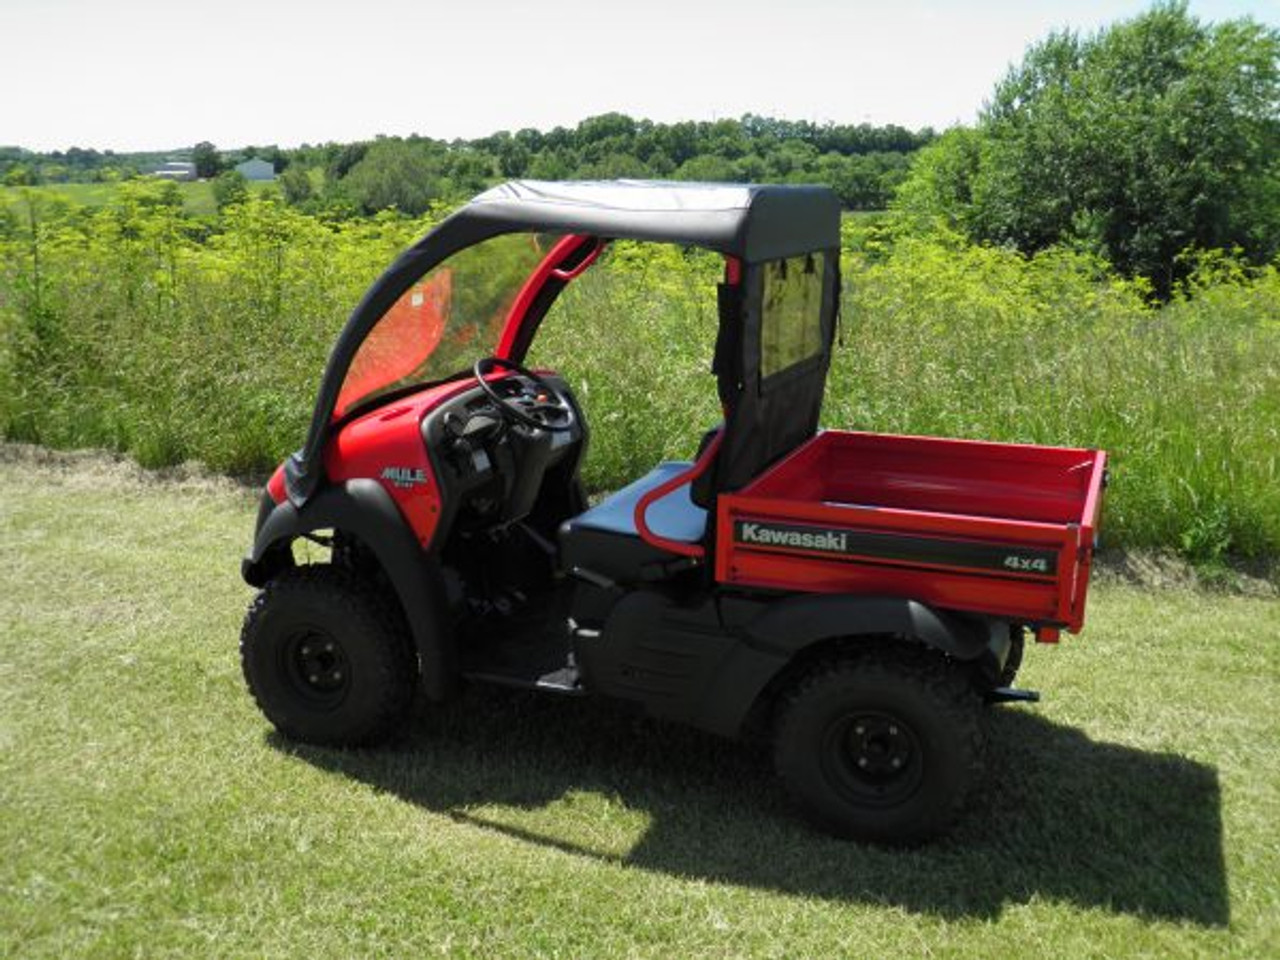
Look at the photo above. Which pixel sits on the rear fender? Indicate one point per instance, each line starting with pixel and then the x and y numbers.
pixel 364 509
pixel 792 624
pixel 781 638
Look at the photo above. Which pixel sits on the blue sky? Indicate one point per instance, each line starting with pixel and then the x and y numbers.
pixel 146 74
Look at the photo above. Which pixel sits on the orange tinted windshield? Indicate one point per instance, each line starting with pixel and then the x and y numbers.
pixel 445 322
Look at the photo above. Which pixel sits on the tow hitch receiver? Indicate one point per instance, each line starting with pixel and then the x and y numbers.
pixel 1012 695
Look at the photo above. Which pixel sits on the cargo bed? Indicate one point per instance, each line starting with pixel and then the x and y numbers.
pixel 1000 529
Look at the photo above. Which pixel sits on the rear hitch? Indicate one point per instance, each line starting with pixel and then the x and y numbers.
pixel 1011 695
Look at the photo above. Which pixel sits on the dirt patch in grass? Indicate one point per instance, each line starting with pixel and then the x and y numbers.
pixel 1164 569
pixel 94 468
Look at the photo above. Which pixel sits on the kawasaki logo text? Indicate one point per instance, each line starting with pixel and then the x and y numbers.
pixel 775 537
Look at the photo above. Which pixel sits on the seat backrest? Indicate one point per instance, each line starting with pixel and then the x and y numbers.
pixel 772 357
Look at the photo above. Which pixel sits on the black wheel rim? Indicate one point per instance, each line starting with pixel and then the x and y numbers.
pixel 873 758
pixel 316 668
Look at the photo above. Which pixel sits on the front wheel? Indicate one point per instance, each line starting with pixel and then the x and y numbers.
pixel 326 659
pixel 884 747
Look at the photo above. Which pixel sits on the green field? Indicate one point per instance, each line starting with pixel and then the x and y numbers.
pixel 149 810
pixel 197 197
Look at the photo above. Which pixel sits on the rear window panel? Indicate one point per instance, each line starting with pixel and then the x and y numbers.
pixel 791 315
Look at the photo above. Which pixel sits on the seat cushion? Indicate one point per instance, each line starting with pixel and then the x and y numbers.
pixel 604 540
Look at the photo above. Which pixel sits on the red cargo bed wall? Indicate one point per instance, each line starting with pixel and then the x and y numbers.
pixel 877 486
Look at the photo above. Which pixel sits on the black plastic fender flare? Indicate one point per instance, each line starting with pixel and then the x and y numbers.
pixel 794 623
pixel 772 638
pixel 364 509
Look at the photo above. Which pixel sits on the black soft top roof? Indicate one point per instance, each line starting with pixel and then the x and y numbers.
pixel 752 222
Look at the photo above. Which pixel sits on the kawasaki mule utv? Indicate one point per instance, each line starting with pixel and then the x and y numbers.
pixel 856 597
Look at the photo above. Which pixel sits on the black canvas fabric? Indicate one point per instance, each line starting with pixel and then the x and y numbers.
pixel 767 417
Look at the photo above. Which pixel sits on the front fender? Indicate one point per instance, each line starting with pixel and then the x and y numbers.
pixel 364 509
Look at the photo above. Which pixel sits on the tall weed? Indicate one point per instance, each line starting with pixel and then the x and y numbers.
pixel 139 329
pixel 956 340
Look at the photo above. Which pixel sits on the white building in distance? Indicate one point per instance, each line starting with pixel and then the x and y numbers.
pixel 256 169
pixel 176 170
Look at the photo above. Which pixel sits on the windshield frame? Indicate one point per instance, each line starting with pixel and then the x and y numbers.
pixel 567 259
pixel 456 313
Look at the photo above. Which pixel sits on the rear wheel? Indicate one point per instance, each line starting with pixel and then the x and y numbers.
pixel 883 747
pixel 326 659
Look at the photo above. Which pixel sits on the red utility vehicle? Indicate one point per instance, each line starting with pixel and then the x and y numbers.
pixel 855 597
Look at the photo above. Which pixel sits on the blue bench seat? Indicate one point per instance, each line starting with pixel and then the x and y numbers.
pixel 603 540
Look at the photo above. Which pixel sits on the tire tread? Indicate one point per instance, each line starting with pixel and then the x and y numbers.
pixel 396 668
pixel 946 684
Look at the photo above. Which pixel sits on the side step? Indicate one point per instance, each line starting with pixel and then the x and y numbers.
pixel 1012 695
pixel 564 681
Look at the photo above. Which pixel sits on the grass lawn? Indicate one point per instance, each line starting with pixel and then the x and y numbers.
pixel 146 808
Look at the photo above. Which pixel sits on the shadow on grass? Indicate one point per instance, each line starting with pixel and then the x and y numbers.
pixel 1061 817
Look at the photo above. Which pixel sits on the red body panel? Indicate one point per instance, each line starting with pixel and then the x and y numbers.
pixel 547 269
pixel 386 445
pixel 1003 529
pixel 276 486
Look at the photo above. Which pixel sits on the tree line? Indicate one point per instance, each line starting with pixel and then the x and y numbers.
pixel 863 163
pixel 20 167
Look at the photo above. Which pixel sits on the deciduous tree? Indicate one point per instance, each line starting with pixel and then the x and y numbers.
pixel 207 160
pixel 1152 136
pixel 230 188
pixel 295 183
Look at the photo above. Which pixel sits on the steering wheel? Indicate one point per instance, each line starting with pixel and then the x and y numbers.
pixel 535 403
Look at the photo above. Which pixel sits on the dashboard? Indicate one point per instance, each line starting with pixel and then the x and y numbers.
pixel 490 468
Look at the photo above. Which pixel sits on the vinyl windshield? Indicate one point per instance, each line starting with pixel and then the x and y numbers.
pixel 447 320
